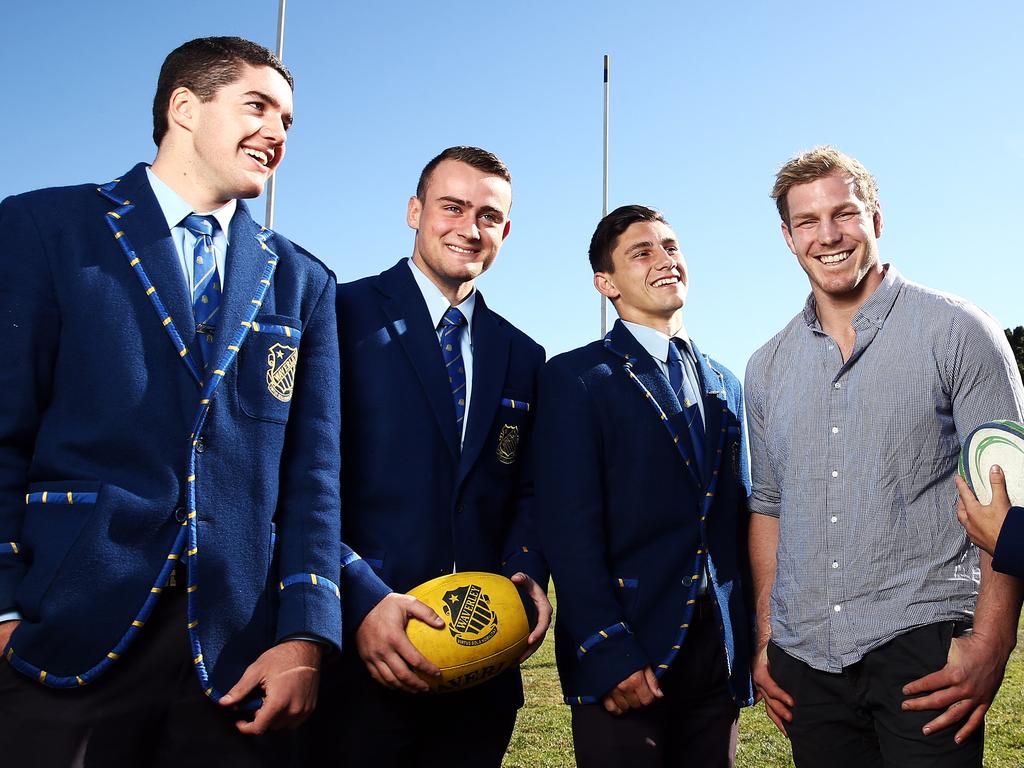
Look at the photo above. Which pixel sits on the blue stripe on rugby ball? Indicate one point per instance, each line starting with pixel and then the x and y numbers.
pixel 995 442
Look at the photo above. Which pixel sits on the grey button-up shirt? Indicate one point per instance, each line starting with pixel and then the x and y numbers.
pixel 856 459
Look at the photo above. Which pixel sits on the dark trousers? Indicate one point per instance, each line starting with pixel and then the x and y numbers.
pixel 695 724
pixel 853 718
pixel 359 723
pixel 147 710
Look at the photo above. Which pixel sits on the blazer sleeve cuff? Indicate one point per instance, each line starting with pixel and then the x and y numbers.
pixel 530 561
pixel 1009 553
pixel 309 604
pixel 606 658
pixel 361 590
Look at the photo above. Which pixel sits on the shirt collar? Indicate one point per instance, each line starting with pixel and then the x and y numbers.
pixel 175 209
pixel 874 309
pixel 654 341
pixel 437 304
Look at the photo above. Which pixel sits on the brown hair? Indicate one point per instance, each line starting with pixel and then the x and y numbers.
pixel 204 66
pixel 478 158
pixel 816 163
pixel 606 236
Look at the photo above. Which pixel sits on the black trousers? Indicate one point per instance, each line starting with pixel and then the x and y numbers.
pixel 361 724
pixel 853 718
pixel 695 724
pixel 147 710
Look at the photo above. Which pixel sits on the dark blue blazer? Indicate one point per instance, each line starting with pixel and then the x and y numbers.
pixel 1009 554
pixel 120 456
pixel 627 521
pixel 414 504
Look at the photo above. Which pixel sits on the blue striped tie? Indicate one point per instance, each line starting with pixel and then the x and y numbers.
pixel 683 388
pixel 206 288
pixel 451 350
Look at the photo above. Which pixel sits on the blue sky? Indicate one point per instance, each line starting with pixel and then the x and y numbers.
pixel 708 99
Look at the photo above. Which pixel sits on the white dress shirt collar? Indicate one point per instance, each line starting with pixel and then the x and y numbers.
pixel 437 304
pixel 175 209
pixel 656 342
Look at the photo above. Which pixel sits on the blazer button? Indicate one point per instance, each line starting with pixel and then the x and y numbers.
pixel 181 514
pixel 200 444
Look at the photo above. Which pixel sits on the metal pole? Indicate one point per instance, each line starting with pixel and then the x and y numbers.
pixel 271 184
pixel 604 199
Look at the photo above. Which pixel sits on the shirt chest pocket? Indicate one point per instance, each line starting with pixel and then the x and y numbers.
pixel 267 368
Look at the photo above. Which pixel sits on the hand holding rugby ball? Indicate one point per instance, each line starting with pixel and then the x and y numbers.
pixel 995 442
pixel 487 622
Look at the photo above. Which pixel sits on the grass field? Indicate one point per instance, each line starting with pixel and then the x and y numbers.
pixel 542 738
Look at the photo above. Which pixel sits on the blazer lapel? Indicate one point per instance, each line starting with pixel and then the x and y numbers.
pixel 714 399
pixel 490 362
pixel 244 267
pixel 651 383
pixel 146 231
pixel 408 314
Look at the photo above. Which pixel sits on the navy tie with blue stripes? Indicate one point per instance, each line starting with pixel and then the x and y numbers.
pixel 451 349
pixel 206 287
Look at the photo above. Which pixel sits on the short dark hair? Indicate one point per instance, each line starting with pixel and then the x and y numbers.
pixel 478 158
pixel 606 236
pixel 204 66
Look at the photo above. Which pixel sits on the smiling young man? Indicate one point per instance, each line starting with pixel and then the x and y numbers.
pixel 866 585
pixel 641 492
pixel 437 407
pixel 168 444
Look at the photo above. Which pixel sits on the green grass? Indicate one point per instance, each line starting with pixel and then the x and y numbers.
pixel 542 738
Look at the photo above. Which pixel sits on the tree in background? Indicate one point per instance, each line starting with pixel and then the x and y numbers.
pixel 1016 339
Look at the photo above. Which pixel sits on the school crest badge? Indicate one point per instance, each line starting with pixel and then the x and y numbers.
pixel 508 443
pixel 281 362
pixel 470 618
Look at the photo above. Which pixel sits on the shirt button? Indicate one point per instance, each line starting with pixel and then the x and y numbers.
pixel 835 473
pixel 200 445
pixel 835 430
pixel 835 519
pixel 838 385
pixel 180 514
pixel 830 347
pixel 835 563
pixel 837 608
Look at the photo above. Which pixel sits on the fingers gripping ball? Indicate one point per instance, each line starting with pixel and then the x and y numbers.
pixel 487 621
pixel 996 442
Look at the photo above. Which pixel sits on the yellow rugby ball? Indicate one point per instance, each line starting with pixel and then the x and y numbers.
pixel 487 620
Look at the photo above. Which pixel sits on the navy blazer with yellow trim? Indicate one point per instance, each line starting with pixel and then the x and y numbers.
pixel 119 456
pixel 415 505
pixel 627 521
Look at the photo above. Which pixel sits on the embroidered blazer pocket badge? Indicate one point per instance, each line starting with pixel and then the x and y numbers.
pixel 508 444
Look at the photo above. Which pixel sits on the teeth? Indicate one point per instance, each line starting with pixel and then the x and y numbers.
pixel 261 156
pixel 665 281
pixel 459 250
pixel 835 258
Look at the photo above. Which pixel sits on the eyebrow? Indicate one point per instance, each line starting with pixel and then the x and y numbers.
pixel 649 244
pixel 287 119
pixel 849 205
pixel 469 204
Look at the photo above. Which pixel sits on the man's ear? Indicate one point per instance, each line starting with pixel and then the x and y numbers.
pixel 877 220
pixel 181 108
pixel 605 286
pixel 508 228
pixel 413 211
pixel 788 235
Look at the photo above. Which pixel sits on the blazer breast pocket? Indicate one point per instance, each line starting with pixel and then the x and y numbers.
pixel 267 367
pixel 514 417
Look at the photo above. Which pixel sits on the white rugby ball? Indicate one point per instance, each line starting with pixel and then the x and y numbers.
pixel 487 621
pixel 995 442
